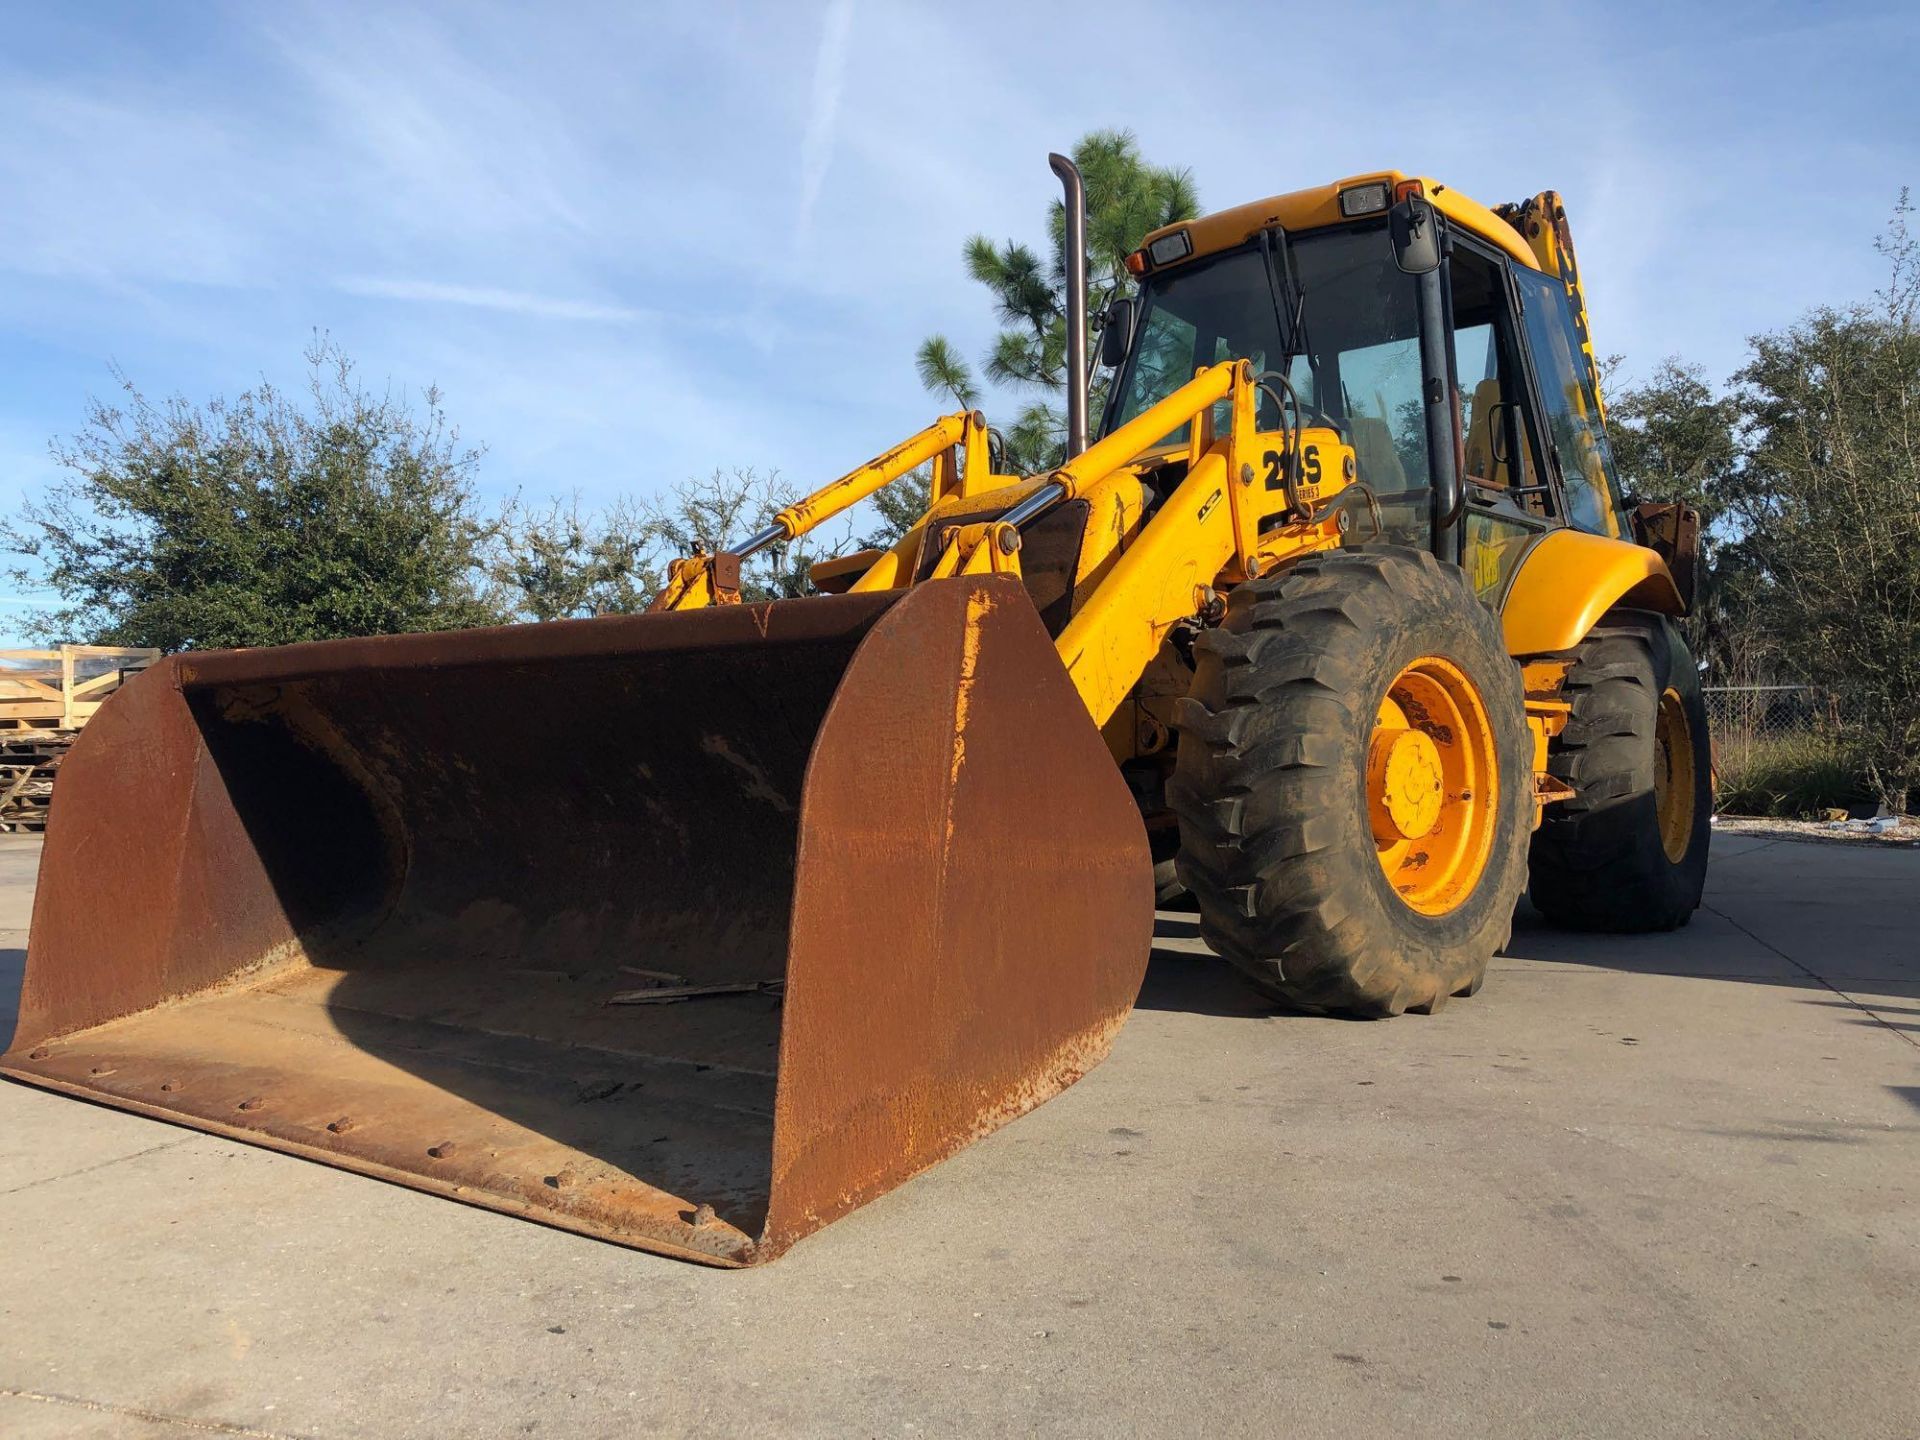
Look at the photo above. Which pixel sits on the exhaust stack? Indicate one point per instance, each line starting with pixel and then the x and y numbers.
pixel 1075 198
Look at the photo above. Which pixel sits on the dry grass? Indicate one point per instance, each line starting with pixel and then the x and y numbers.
pixel 1794 776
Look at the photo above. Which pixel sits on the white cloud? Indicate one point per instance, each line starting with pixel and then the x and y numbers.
pixel 419 125
pixel 480 297
pixel 823 112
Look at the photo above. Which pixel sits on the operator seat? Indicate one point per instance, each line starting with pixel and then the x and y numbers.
pixel 1483 417
pixel 1375 456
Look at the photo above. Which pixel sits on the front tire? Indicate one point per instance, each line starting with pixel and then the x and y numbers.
pixel 1354 784
pixel 1628 853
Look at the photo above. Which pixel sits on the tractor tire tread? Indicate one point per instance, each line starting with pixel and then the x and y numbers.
pixel 1265 798
pixel 1597 862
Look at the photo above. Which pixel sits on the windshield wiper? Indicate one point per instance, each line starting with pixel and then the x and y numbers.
pixel 1284 287
pixel 1282 281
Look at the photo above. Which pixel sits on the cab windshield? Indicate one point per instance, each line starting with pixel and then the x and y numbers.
pixel 1353 360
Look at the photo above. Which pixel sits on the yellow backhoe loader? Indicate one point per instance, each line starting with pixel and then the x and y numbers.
pixel 1336 624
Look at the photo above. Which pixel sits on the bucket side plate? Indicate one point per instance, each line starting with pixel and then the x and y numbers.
pixel 974 905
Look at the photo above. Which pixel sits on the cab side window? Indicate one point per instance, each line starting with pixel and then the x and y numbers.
pixel 1572 411
pixel 1507 508
pixel 1165 361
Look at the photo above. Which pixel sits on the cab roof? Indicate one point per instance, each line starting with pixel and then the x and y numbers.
pixel 1300 210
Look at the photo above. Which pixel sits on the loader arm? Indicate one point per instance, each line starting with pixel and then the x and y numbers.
pixel 698 580
pixel 1242 508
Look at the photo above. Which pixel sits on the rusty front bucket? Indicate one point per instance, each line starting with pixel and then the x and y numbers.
pixel 399 905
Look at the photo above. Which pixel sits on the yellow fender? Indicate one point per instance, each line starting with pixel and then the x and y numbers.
pixel 1569 579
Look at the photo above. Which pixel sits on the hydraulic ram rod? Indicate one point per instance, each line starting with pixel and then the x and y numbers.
pixel 1139 434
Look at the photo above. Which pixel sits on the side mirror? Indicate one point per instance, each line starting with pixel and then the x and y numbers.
pixel 1416 236
pixel 1116 332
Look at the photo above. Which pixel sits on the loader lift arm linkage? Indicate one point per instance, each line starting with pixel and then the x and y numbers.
pixel 700 580
pixel 1215 528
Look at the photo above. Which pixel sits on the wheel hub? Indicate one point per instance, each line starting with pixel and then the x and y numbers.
pixel 1673 776
pixel 1432 795
pixel 1406 783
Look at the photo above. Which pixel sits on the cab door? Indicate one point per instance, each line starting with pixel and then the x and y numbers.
pixel 1573 429
pixel 1508 498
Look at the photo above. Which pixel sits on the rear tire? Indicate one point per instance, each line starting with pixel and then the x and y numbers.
pixel 1271 785
pixel 1628 853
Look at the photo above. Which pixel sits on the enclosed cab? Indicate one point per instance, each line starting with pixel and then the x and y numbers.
pixel 1443 350
pixel 1468 390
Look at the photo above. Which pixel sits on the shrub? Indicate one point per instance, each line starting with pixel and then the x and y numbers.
pixel 261 521
pixel 1796 776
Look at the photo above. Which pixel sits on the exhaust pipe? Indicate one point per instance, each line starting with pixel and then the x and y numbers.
pixel 1076 204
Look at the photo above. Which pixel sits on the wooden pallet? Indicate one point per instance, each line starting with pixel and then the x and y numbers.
pixel 29 759
pixel 46 696
pixel 61 688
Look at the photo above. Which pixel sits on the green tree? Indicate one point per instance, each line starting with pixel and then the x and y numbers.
pixel 258 521
pixel 1674 439
pixel 1126 198
pixel 565 563
pixel 898 508
pixel 1827 506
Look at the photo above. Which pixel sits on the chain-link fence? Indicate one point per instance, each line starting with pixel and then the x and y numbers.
pixel 1748 713
pixel 1778 750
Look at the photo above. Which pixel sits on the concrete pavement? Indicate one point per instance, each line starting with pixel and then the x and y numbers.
pixel 1654 1186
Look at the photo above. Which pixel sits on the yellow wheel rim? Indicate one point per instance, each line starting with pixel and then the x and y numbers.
pixel 1433 786
pixel 1673 778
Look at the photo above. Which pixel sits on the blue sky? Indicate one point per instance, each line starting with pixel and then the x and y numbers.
pixel 634 242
